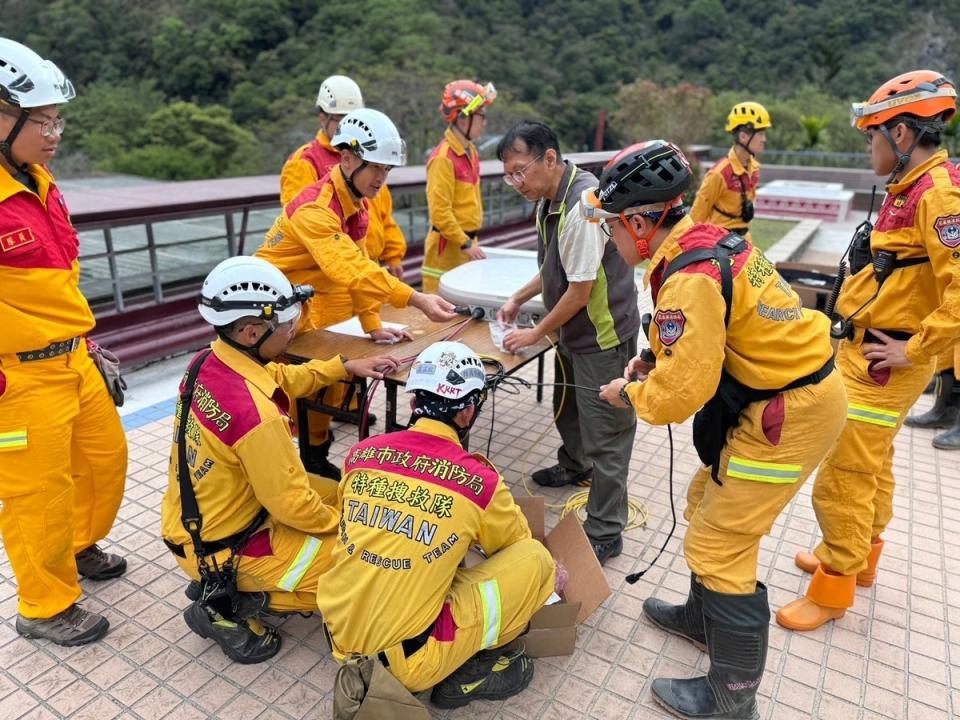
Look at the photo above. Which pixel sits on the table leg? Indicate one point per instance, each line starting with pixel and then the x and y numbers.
pixel 540 365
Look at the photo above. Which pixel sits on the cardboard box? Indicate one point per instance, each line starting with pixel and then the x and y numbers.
pixel 553 629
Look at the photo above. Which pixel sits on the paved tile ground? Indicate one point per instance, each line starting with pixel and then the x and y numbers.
pixel 896 654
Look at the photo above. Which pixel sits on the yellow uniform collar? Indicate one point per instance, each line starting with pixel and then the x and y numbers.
pixel 737 166
pixel 245 366
pixel 347 202
pixel 325 141
pixel 938 158
pixel 436 428
pixel 453 140
pixel 9 186
pixel 669 248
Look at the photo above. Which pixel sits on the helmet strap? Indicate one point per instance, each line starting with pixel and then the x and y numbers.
pixel 643 243
pixel 902 158
pixel 349 179
pixel 252 350
pixel 746 147
pixel 6 147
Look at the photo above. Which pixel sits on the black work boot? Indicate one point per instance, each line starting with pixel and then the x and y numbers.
pixel 243 641
pixel 95 564
pixel 488 675
pixel 736 628
pixel 558 476
pixel 943 414
pixel 949 440
pixel 74 626
pixel 685 620
pixel 318 460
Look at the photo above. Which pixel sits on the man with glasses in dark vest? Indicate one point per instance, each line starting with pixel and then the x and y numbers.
pixel 591 299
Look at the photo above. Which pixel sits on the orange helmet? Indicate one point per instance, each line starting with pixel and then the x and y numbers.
pixel 465 97
pixel 924 93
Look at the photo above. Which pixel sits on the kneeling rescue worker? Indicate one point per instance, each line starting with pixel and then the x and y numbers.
pixel 241 514
pixel 413 502
pixel 728 336
pixel 897 312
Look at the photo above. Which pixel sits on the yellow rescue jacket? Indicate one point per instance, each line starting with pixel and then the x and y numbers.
pixel 240 447
pixel 318 240
pixel 920 217
pixel 770 341
pixel 720 196
pixel 310 163
pixel 40 298
pixel 413 502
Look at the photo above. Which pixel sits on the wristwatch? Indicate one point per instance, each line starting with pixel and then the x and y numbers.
pixel 624 396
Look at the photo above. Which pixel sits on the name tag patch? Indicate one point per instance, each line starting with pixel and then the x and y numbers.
pixel 948 229
pixel 18 238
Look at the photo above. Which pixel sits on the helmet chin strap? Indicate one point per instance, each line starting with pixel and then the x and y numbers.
pixel 902 158
pixel 349 179
pixel 643 243
pixel 6 147
pixel 252 350
pixel 736 140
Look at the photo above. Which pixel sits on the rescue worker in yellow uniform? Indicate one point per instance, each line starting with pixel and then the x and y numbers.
pixel 729 188
pixel 899 309
pixel 944 413
pixel 318 240
pixel 261 515
pixel 384 242
pixel 453 182
pixel 731 343
pixel 63 452
pixel 412 503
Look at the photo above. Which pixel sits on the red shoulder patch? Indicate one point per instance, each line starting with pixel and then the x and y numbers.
pixel 671 324
pixel 320 158
pixel 222 402
pixel 307 195
pixel 900 211
pixel 947 227
pixel 466 169
pixel 18 238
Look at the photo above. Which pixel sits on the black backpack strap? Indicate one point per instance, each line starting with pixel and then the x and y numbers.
pixel 730 245
pixel 189 510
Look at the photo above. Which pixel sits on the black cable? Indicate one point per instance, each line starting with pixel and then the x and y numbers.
pixel 633 577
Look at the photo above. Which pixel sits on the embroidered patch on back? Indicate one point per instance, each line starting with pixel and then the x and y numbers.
pixel 671 324
pixel 948 229
pixel 17 238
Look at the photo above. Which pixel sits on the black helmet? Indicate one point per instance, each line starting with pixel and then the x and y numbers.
pixel 642 174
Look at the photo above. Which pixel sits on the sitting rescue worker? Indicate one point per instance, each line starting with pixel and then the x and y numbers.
pixel 899 309
pixel 384 242
pixel 453 182
pixel 63 452
pixel 318 240
pixel 412 504
pixel 946 403
pixel 236 486
pixel 591 299
pixel 729 188
pixel 732 343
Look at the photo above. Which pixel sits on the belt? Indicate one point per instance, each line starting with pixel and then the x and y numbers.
pixel 52 350
pixel 868 336
pixel 811 379
pixel 410 646
pixel 214 546
pixel 472 234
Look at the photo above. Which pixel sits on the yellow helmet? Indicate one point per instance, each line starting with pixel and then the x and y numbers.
pixel 751 114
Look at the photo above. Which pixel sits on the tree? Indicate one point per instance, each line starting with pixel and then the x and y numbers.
pixel 647 110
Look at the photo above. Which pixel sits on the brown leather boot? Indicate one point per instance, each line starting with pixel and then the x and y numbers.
pixel 828 597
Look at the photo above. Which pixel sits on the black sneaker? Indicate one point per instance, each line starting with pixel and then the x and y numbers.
pixel 246 642
pixel 488 675
pixel 73 626
pixel 95 564
pixel 558 476
pixel 607 549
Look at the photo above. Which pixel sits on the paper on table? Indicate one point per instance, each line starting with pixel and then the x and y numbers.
pixel 352 327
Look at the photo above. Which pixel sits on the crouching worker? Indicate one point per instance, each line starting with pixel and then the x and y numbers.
pixel 412 504
pixel 729 336
pixel 241 514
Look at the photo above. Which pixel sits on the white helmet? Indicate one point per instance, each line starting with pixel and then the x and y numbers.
pixel 449 370
pixel 249 286
pixel 29 81
pixel 339 95
pixel 372 136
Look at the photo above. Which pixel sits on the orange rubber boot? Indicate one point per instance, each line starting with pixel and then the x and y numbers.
pixel 827 598
pixel 866 578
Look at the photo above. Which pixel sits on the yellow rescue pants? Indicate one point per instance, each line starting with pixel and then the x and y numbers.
pixel 491 604
pixel 950 360
pixel 853 493
pixel 437 261
pixel 765 462
pixel 63 464
pixel 280 560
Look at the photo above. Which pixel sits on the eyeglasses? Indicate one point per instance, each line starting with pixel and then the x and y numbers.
pixel 516 178
pixel 606 225
pixel 47 127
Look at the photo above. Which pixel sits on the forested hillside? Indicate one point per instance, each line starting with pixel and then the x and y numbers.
pixel 203 88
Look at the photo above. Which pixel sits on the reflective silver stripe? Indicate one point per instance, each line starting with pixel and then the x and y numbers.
pixel 872 415
pixel 777 473
pixel 298 568
pixel 490 598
